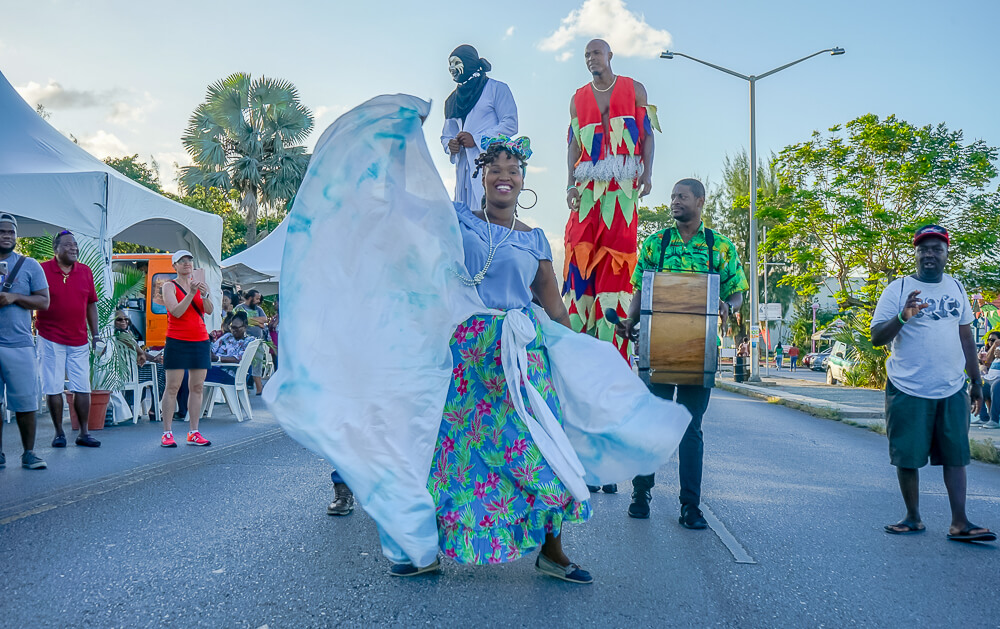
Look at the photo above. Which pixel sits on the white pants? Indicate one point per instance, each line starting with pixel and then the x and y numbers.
pixel 61 364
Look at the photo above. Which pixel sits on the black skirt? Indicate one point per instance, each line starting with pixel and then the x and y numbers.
pixel 187 354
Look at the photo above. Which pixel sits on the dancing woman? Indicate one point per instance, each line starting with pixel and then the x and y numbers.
pixel 467 421
pixel 496 496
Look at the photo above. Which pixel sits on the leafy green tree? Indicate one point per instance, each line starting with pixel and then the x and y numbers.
pixel 147 175
pixel 140 172
pixel 653 220
pixel 801 327
pixel 221 203
pixel 247 136
pixel 727 211
pixel 858 194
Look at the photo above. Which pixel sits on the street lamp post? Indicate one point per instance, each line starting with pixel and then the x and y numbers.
pixel 752 79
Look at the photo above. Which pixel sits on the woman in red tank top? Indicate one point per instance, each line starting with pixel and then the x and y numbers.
pixel 187 346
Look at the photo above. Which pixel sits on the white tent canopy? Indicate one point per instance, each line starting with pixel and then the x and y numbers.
pixel 50 184
pixel 260 265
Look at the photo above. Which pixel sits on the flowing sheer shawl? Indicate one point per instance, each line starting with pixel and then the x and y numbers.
pixel 370 300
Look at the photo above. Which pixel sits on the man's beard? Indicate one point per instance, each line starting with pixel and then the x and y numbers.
pixel 5 250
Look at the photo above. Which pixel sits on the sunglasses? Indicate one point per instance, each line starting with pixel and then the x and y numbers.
pixel 125 319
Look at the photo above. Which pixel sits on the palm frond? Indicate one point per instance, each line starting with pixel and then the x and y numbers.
pixel 267 92
pixel 293 124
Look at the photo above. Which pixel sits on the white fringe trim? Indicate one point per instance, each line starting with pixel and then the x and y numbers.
pixel 617 167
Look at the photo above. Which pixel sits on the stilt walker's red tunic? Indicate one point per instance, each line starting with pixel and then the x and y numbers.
pixel 601 234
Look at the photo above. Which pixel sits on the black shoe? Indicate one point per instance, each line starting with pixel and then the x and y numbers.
pixel 59 441
pixel 88 441
pixel 691 518
pixel 610 489
pixel 594 488
pixel 343 500
pixel 3 461
pixel 640 504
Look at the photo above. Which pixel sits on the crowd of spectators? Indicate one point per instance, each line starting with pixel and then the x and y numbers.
pixel 50 334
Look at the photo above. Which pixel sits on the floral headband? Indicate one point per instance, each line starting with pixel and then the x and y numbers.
pixel 521 147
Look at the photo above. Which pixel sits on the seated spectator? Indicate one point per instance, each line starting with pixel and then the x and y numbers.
pixel 989 411
pixel 229 349
pixel 125 331
pixel 215 335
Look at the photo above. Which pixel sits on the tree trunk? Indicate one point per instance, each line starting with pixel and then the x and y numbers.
pixel 248 205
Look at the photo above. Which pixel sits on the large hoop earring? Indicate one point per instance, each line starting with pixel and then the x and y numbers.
pixel 527 207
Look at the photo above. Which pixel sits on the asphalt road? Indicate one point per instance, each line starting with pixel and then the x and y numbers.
pixel 237 536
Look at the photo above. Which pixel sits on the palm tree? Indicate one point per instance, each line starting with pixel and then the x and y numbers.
pixel 247 136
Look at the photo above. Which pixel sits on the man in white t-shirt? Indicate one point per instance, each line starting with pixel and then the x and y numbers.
pixel 926 317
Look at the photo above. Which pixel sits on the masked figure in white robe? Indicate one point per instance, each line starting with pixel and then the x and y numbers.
pixel 479 107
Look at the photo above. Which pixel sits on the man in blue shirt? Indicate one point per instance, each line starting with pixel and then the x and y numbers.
pixel 23 289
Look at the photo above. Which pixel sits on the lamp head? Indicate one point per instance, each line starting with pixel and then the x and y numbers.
pixel 837 51
pixel 666 54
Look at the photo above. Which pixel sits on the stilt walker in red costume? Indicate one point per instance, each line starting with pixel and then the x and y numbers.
pixel 610 163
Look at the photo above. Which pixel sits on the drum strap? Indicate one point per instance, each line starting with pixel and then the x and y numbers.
pixel 709 240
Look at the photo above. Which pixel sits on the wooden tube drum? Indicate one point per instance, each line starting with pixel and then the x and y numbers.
pixel 678 321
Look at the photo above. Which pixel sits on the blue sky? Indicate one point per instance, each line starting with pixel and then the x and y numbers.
pixel 124 76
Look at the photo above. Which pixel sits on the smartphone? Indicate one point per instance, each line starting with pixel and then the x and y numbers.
pixel 3 268
pixel 198 275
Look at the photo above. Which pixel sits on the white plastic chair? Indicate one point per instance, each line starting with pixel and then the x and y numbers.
pixel 137 388
pixel 268 363
pixel 236 395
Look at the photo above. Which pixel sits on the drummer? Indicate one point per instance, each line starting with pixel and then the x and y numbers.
pixel 686 250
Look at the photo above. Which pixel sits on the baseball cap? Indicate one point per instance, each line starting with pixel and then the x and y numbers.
pixel 931 231
pixel 8 218
pixel 180 254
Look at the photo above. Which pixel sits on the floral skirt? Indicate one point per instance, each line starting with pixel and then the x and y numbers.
pixel 496 495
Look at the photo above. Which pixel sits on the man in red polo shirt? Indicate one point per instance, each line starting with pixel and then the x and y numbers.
pixel 63 351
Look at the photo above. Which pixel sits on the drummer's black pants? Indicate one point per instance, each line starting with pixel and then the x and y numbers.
pixel 692 447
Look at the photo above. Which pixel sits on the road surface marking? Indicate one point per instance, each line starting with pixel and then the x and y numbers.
pixel 739 553
pixel 70 495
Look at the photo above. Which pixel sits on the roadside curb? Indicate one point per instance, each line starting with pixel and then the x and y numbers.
pixel 984 446
pixel 819 408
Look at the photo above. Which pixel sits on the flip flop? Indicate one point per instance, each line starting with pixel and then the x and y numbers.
pixel 903 529
pixel 968 536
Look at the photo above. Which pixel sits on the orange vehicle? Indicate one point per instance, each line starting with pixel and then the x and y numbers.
pixel 148 313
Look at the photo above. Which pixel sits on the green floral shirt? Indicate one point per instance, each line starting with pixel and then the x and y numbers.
pixel 693 256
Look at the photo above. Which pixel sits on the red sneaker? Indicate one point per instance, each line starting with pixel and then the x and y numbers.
pixel 167 441
pixel 195 439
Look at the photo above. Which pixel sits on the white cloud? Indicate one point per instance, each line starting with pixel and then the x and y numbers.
pixel 103 144
pixel 626 31
pixel 508 33
pixel 324 110
pixel 537 169
pixel 54 96
pixel 123 113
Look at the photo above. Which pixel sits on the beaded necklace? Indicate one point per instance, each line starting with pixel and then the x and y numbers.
pixel 477 279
